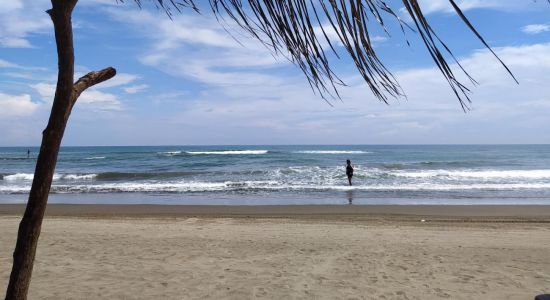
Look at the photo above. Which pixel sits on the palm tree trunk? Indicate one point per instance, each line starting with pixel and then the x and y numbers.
pixel 65 96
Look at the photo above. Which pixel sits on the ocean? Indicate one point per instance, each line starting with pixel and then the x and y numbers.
pixel 256 175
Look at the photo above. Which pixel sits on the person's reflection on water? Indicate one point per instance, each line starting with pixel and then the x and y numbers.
pixel 349 194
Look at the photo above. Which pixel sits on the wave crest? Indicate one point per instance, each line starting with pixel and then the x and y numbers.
pixel 331 152
pixel 169 153
pixel 228 152
pixel 251 186
pixel 487 174
pixel 56 176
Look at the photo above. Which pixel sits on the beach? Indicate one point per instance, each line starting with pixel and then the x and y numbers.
pixel 198 164
pixel 303 252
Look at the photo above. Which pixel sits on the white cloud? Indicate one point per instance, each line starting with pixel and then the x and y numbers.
pixel 221 59
pixel 16 105
pixel 327 31
pixel 45 90
pixel 536 28
pixel 288 112
pixel 502 112
pixel 24 72
pixel 378 39
pixel 431 6
pixel 119 80
pixel 19 19
pixel 7 64
pixel 248 92
pixel 32 75
pixel 256 99
pixel 92 99
pixel 96 100
pixel 135 88
pixel 246 96
pixel 444 5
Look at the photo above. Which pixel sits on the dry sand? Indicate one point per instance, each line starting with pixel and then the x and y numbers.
pixel 321 256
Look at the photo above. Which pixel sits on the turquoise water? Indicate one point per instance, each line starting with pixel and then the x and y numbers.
pixel 423 174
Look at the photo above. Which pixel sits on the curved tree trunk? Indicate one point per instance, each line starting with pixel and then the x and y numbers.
pixel 65 96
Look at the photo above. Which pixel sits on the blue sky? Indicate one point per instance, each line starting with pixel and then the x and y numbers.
pixel 185 81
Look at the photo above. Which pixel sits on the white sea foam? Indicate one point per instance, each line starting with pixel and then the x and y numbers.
pixel 433 187
pixel 228 152
pixel 56 176
pixel 180 187
pixel 331 152
pixel 95 157
pixel 168 187
pixel 169 153
pixel 14 189
pixel 272 185
pixel 77 176
pixel 18 177
pixel 487 174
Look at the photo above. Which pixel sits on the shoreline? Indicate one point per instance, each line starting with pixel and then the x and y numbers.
pixel 458 213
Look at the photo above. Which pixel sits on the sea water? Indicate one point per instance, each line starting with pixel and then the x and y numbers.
pixel 237 175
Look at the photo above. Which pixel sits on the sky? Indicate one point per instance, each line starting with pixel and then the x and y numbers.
pixel 186 81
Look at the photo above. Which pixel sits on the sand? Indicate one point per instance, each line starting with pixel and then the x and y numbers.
pixel 305 256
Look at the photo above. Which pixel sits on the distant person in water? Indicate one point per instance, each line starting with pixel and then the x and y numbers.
pixel 28 153
pixel 349 171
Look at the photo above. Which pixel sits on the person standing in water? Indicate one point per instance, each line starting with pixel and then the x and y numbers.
pixel 28 153
pixel 349 171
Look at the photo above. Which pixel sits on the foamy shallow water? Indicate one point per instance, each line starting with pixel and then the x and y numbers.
pixel 290 174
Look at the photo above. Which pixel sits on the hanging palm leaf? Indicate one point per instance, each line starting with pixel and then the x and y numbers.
pixel 299 29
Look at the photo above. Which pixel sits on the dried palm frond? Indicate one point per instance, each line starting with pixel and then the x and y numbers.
pixel 299 29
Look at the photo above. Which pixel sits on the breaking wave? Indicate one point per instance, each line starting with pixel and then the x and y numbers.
pixel 228 152
pixel 481 174
pixel 169 153
pixel 331 152
pixel 29 177
pixel 243 186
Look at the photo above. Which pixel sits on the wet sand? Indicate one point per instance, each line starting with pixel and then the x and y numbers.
pixel 478 213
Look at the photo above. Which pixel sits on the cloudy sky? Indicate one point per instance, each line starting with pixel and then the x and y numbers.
pixel 186 81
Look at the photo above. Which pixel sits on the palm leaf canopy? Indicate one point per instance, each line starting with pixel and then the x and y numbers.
pixel 300 30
